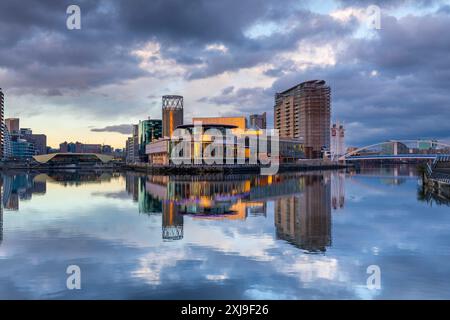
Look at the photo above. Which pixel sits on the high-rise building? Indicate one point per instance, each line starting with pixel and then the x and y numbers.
pixel 13 125
pixel 337 144
pixel 258 121
pixel 132 146
pixel 2 109
pixel 172 114
pixel 149 130
pixel 7 144
pixel 303 112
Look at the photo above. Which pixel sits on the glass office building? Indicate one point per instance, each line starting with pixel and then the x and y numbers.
pixel 149 130
pixel 22 149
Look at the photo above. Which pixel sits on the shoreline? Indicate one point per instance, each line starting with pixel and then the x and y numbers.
pixel 231 169
pixel 313 165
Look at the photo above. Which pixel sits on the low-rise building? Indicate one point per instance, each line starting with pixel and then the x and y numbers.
pixel 39 141
pixel 245 146
pixel 22 149
pixel 158 151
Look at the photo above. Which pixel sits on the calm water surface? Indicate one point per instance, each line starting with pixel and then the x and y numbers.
pixel 293 236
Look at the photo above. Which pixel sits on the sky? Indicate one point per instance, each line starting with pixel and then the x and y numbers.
pixel 226 58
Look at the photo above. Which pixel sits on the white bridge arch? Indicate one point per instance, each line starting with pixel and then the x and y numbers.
pixel 395 148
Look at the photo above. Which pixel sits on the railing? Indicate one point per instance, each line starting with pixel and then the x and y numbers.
pixel 428 170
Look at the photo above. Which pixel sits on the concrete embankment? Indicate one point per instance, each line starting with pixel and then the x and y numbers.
pixel 232 169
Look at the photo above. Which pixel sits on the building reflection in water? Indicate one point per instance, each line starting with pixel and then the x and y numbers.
pixel 302 203
pixel 18 187
pixel 24 185
pixel 305 219
pixel 337 189
pixel 172 222
pixel 21 187
pixel 1 210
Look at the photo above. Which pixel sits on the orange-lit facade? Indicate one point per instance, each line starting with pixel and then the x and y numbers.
pixel 239 122
pixel 172 114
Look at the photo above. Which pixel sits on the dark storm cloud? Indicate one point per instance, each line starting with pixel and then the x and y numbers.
pixel 121 128
pixel 392 86
pixel 38 52
pixel 246 100
pixel 303 25
pixel 397 79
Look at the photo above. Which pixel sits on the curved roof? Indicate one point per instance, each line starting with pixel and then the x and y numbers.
pixel 44 158
pixel 209 125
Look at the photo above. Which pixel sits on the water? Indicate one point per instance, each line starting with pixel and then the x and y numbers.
pixel 295 236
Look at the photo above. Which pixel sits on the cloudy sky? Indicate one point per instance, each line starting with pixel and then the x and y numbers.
pixel 226 58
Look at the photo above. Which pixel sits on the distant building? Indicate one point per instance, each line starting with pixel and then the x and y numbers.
pixel 52 150
pixel 129 158
pixel 90 148
pixel 107 149
pixel 79 147
pixel 426 144
pixel 239 122
pixel 39 141
pixel 337 142
pixel 16 133
pixel 172 114
pixel 149 130
pixel 134 149
pixel 394 148
pixel 66 147
pixel 132 146
pixel 258 121
pixel 13 125
pixel 25 131
pixel 119 153
pixel 303 112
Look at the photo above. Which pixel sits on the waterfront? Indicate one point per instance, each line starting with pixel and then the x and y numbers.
pixel 309 235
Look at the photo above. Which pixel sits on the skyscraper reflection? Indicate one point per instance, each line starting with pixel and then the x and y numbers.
pixel 21 187
pixel 305 219
pixel 172 222
pixel 337 189
pixel 1 210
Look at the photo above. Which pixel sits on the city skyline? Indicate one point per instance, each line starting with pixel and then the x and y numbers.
pixel 72 86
